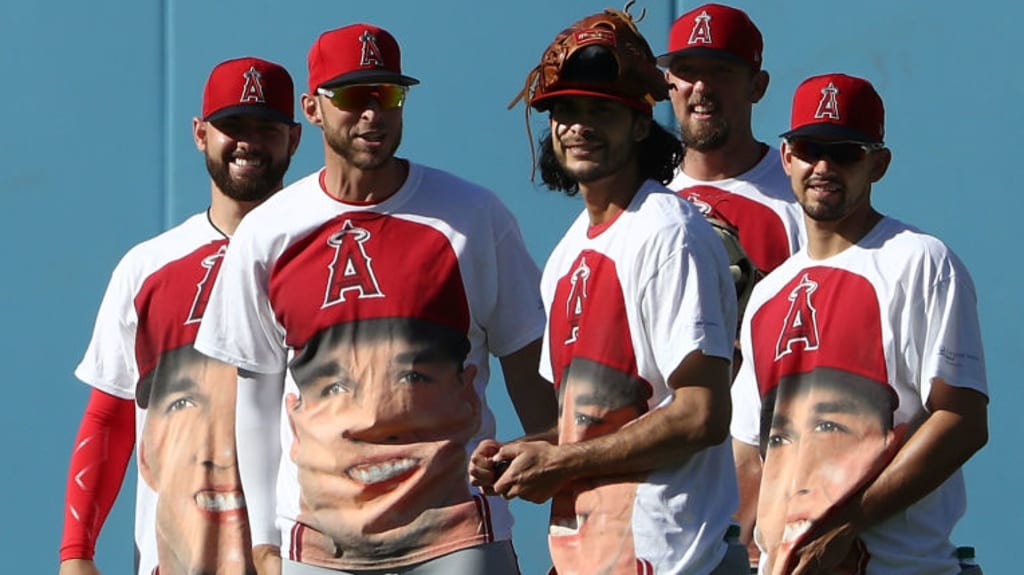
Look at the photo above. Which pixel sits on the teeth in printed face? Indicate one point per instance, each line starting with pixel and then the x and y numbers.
pixel 794 530
pixel 561 530
pixel 218 502
pixel 378 472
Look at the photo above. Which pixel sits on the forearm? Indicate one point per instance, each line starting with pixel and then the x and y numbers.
pixel 669 435
pixel 943 443
pixel 748 479
pixel 103 448
pixel 532 396
pixel 258 440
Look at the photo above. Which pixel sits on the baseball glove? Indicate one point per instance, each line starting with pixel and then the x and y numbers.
pixel 744 274
pixel 638 77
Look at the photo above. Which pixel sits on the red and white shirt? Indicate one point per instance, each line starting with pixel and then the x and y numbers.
pixel 145 327
pixel 759 204
pixel 441 250
pixel 627 301
pixel 894 311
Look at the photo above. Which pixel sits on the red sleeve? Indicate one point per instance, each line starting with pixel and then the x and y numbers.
pixel 99 460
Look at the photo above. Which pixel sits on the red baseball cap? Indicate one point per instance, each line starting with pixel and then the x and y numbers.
pixel 837 107
pixel 249 86
pixel 717 31
pixel 356 54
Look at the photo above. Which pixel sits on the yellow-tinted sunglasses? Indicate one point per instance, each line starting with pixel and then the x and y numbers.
pixel 358 96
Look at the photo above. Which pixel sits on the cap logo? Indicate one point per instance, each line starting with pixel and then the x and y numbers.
pixel 577 296
pixel 701 33
pixel 351 269
pixel 828 107
pixel 801 322
pixel 370 54
pixel 252 91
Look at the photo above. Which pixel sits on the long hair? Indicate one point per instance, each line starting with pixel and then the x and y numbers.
pixel 657 155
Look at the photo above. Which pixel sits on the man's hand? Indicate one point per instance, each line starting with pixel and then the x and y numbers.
pixel 534 472
pixel 267 559
pixel 821 550
pixel 78 567
pixel 483 469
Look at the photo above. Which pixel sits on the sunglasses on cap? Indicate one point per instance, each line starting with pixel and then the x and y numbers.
pixel 358 96
pixel 842 153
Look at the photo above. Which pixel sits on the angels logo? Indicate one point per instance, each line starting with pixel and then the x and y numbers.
pixel 205 285
pixel 801 322
pixel 577 295
pixel 703 207
pixel 351 269
pixel 828 107
pixel 252 91
pixel 701 33
pixel 370 54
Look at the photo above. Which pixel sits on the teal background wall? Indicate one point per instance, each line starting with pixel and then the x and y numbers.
pixel 97 155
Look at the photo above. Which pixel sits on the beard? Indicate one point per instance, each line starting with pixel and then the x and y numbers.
pixel 705 136
pixel 247 189
pixel 364 161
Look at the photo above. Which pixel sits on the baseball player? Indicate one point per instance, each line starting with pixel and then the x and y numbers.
pixel 148 382
pixel 368 470
pixel 863 383
pixel 713 66
pixel 640 330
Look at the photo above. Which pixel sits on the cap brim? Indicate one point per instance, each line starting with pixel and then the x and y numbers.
pixel 665 60
pixel 543 103
pixel 255 110
pixel 370 77
pixel 827 132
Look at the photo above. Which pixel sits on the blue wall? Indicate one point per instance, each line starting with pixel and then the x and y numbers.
pixel 98 99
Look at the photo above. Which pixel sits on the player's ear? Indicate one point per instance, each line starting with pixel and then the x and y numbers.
pixel 641 127
pixel 311 109
pixel 145 464
pixel 787 157
pixel 199 134
pixel 294 136
pixel 759 86
pixel 880 161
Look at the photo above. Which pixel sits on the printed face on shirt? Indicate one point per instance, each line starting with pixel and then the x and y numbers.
pixel 382 420
pixel 829 432
pixel 591 529
pixel 187 456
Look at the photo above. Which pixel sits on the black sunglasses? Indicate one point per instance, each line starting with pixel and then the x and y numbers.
pixel 842 153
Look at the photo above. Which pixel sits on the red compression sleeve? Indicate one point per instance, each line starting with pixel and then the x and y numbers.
pixel 100 458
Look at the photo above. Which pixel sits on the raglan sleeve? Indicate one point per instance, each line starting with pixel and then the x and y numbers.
pixel 109 361
pixel 239 326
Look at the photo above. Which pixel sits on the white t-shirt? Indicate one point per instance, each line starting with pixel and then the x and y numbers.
pixel 440 250
pixel 627 301
pixel 142 339
pixel 888 314
pixel 758 203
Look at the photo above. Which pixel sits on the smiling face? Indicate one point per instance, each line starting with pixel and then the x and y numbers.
pixel 712 99
pixel 823 441
pixel 365 138
pixel 246 156
pixel 187 456
pixel 830 191
pixel 594 137
pixel 381 426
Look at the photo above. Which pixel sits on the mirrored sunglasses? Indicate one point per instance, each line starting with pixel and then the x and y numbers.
pixel 842 153
pixel 358 96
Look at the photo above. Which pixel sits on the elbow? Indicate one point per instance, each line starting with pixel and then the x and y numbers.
pixel 712 426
